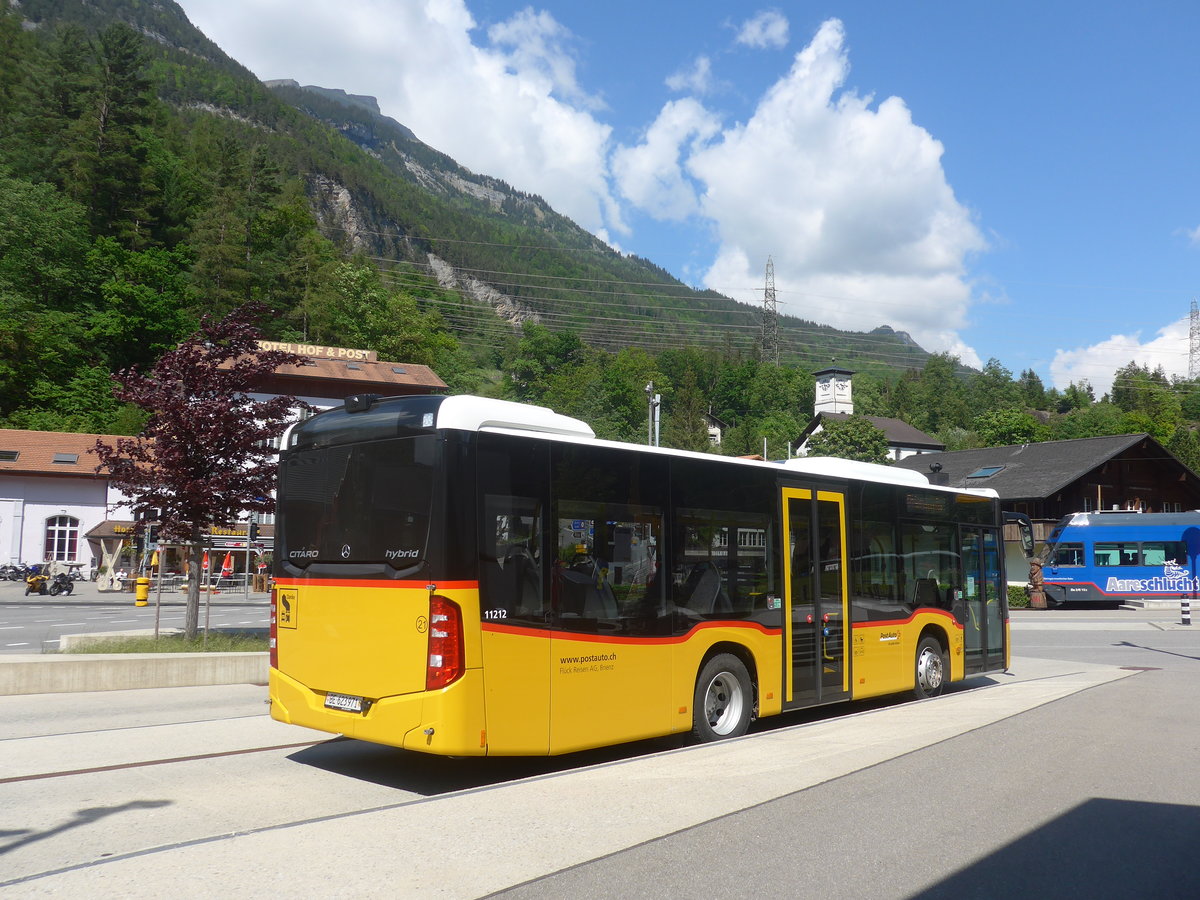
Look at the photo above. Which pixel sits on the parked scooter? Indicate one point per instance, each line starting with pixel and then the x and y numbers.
pixel 61 584
pixel 36 582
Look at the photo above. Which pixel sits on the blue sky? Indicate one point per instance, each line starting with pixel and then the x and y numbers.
pixel 1013 180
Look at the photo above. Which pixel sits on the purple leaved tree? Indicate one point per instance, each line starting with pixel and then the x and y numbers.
pixel 204 458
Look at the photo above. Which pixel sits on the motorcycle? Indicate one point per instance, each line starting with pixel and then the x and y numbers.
pixel 14 572
pixel 35 581
pixel 61 584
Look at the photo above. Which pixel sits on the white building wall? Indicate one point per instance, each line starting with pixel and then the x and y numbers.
pixel 30 501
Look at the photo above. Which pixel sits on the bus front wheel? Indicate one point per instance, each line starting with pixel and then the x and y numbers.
pixel 723 703
pixel 931 669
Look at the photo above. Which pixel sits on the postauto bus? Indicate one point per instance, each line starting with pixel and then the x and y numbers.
pixel 1117 556
pixel 464 576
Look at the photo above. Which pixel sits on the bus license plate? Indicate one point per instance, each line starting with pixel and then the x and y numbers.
pixel 344 702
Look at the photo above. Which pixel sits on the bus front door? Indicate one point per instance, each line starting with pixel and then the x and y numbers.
pixel 984 596
pixel 816 660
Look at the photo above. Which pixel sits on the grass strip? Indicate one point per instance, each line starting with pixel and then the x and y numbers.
pixel 217 642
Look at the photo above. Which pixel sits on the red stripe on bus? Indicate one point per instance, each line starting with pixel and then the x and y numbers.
pixel 497 628
pixel 886 623
pixel 377 583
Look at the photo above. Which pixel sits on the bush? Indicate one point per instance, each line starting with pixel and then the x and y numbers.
pixel 1018 597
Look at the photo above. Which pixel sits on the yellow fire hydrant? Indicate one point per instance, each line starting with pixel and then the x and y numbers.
pixel 143 592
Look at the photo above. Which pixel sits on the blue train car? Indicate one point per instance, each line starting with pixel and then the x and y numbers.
pixel 1118 556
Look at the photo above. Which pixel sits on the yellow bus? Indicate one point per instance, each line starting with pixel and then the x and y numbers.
pixel 465 576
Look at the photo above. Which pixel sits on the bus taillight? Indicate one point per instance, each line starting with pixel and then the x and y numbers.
pixel 445 643
pixel 273 635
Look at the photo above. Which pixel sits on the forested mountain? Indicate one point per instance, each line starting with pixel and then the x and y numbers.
pixel 147 179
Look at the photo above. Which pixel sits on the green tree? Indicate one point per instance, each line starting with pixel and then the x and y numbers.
pixel 540 353
pixel 204 457
pixel 105 151
pixel 1076 395
pixel 1033 392
pixel 44 289
pixel 871 395
pixel 143 306
pixel 939 399
pixel 1094 420
pixel 1150 397
pixel 231 236
pixel 363 312
pixel 1188 391
pixel 685 427
pixel 994 388
pixel 1002 427
pixel 84 404
pixel 1185 445
pixel 854 437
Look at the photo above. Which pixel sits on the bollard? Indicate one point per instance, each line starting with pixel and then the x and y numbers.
pixel 1185 608
pixel 143 592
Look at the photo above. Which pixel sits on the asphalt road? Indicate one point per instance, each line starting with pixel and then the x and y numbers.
pixel 34 624
pixel 1075 776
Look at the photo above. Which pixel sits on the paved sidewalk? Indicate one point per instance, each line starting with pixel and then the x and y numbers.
pixel 466 844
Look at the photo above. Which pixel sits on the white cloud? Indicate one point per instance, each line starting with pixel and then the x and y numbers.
pixel 650 175
pixel 697 78
pixel 536 44
pixel 512 109
pixel 1097 364
pixel 848 196
pixel 851 202
pixel 766 30
pixel 1193 236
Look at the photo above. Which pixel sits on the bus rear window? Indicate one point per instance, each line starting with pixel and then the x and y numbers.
pixel 358 504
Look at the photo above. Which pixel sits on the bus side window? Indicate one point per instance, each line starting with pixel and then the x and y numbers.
pixel 605 568
pixel 511 564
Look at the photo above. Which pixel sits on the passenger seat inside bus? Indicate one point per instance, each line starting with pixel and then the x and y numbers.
pixel 703 591
pixel 925 592
pixel 584 594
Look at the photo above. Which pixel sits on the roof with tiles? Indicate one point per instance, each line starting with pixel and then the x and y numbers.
pixel 50 453
pixel 335 373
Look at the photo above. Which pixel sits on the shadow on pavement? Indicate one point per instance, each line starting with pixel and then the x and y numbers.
pixel 1101 848
pixel 82 817
pixel 429 776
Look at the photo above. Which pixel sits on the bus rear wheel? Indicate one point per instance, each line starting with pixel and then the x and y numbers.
pixel 931 668
pixel 723 703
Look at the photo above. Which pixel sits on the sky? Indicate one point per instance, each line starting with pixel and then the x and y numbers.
pixel 1016 181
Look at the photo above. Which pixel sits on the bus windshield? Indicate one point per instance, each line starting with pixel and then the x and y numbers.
pixel 323 494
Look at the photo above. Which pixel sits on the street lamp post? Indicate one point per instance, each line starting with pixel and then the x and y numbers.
pixel 652 420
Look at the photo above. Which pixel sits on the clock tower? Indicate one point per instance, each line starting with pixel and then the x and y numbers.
pixel 833 391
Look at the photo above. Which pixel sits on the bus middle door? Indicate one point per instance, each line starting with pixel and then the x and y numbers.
pixel 816 620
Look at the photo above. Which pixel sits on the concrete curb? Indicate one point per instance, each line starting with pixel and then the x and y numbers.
pixel 54 674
